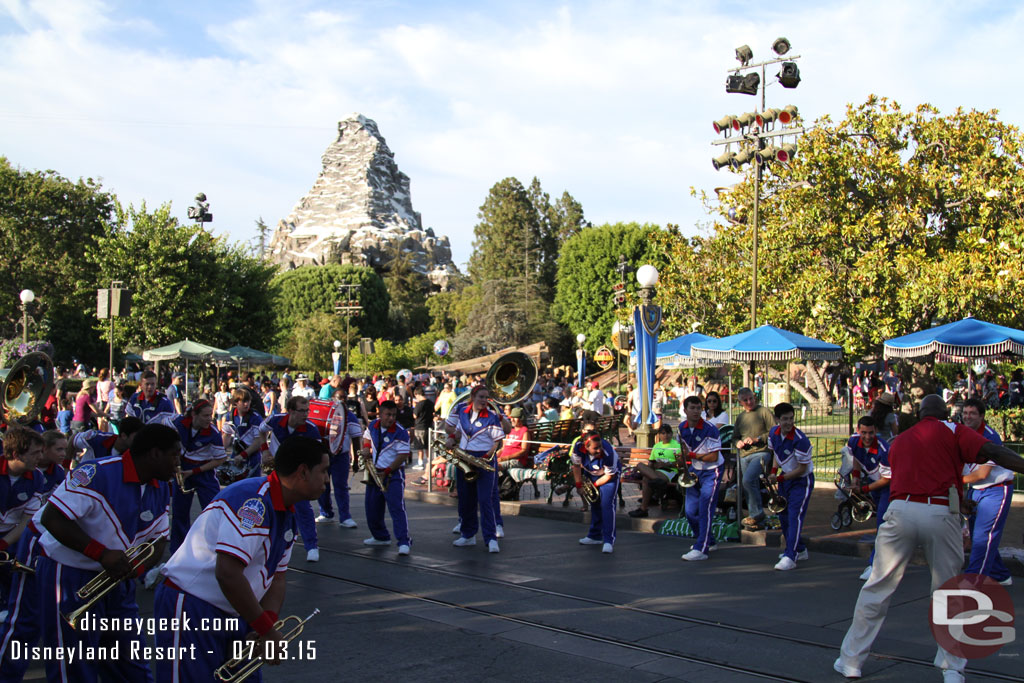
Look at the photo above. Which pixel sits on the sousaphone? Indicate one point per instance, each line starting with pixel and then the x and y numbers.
pixel 25 388
pixel 510 379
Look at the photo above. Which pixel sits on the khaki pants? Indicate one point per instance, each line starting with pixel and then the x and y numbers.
pixel 906 526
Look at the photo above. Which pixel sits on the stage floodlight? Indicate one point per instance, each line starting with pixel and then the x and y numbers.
pixel 744 85
pixel 786 153
pixel 741 158
pixel 744 54
pixel 766 116
pixel 781 46
pixel 724 160
pixel 743 121
pixel 789 77
pixel 724 124
pixel 766 155
pixel 788 115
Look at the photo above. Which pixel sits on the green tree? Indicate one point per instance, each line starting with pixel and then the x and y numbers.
pixel 311 341
pixel 407 287
pixel 587 275
pixel 45 223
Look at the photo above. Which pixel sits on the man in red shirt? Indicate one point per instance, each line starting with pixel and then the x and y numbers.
pixel 925 492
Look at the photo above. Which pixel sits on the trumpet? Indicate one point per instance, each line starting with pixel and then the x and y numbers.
pixel 470 464
pixel 371 477
pixel 12 563
pixel 862 506
pixel 179 476
pixel 776 502
pixel 589 492
pixel 686 477
pixel 105 581
pixel 239 669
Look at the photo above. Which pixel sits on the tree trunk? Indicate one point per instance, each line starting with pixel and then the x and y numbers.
pixel 817 396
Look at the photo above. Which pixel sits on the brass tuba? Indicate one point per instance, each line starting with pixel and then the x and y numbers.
pixel 25 388
pixel 776 501
pixel 510 379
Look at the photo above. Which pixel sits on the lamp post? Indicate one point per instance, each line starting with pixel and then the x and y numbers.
pixel 27 297
pixel 646 322
pixel 581 363
pixel 336 357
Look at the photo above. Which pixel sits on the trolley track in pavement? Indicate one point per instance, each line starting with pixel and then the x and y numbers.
pixel 697 621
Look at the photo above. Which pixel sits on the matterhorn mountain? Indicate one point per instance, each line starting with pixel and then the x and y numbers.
pixel 359 211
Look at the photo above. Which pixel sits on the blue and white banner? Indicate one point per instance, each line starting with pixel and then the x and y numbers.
pixel 646 324
pixel 581 367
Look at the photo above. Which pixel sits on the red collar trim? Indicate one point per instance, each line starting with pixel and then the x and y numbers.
pixel 981 428
pixel 788 437
pixel 4 470
pixel 390 430
pixel 276 495
pixel 873 449
pixel 187 422
pixel 469 411
pixel 51 469
pixel 699 425
pixel 130 474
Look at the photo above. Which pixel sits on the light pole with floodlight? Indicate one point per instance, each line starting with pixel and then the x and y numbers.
pixel 27 296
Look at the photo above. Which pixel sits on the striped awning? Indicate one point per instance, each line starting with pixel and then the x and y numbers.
pixel 766 343
pixel 967 338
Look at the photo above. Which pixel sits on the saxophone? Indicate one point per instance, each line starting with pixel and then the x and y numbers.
pixel 371 477
pixel 470 464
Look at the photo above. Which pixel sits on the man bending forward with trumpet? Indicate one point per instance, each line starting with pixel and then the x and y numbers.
pixel 101 510
pixel 233 563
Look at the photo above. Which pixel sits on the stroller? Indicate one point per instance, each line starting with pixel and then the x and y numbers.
pixel 854 505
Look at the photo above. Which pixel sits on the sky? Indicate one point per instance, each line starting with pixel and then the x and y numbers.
pixel 610 101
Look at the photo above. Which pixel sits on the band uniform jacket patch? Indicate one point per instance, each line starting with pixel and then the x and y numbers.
pixel 83 475
pixel 251 513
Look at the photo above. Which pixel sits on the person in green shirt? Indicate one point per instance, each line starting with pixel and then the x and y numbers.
pixel 658 471
pixel 751 440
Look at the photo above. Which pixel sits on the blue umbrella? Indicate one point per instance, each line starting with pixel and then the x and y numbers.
pixel 968 338
pixel 766 343
pixel 676 352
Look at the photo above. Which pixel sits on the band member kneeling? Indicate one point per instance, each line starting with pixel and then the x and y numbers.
pixel 101 510
pixel 231 567
pixel 793 473
pixel 596 459
pixel 386 448
pixel 703 444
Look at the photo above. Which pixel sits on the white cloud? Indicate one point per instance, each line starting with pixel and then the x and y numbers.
pixel 610 101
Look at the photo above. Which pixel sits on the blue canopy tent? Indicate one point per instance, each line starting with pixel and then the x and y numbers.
pixel 967 338
pixel 765 343
pixel 675 353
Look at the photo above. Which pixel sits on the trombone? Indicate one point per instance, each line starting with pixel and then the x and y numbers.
pixel 105 581
pixel 239 669
pixel 6 560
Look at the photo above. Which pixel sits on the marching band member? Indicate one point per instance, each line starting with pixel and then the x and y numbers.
pixel 147 403
pixel 93 443
pixel 871 469
pixel 22 620
pixel 242 431
pixel 704 444
pixel 992 491
pixel 278 429
pixel 793 473
pixel 104 508
pixel 234 559
pixel 20 489
pixel 202 451
pixel 595 458
pixel 386 446
pixel 342 438
pixel 479 432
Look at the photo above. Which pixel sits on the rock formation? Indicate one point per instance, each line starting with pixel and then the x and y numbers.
pixel 359 211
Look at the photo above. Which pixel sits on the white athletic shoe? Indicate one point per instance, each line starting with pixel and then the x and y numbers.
pixel 952 676
pixel 499 531
pixel 802 555
pixel 694 555
pixel 785 564
pixel 403 550
pixel 464 542
pixel 349 523
pixel 417 467
pixel 375 541
pixel 587 540
pixel 492 547
pixel 607 548
pixel 866 574
pixel 457 529
pixel 711 548
pixel 323 518
pixel 1008 581
pixel 313 555
pixel 845 669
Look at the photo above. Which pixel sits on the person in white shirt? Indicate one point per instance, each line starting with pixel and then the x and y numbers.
pixel 595 401
pixel 302 388
pixel 713 410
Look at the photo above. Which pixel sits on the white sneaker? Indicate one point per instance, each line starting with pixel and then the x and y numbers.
pixel 785 564
pixel 492 547
pixel 952 676
pixel 417 467
pixel 694 555
pixel 499 531
pixel 464 542
pixel 152 577
pixel 323 518
pixel 403 550
pixel 802 555
pixel 313 555
pixel 866 574
pixel 457 529
pixel 607 548
pixel 845 669
pixel 711 548
pixel 349 523
pixel 375 541
pixel 1008 581
pixel 587 540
